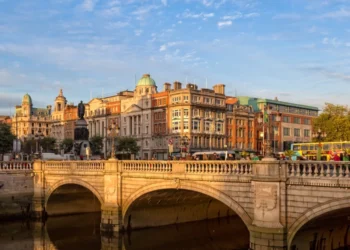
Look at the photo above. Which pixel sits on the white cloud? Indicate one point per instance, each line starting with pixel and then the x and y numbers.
pixel 342 13
pixel 170 44
pixel 88 5
pixel 287 16
pixel 188 14
pixel 224 24
pixel 144 10
pixel 239 15
pixel 117 25
pixel 113 3
pixel 164 2
pixel 335 42
pixel 113 11
pixel 207 3
pixel 138 32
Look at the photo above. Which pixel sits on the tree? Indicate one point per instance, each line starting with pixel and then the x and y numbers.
pixel 67 145
pixel 289 153
pixel 48 144
pixel 334 121
pixel 6 139
pixel 127 145
pixel 96 144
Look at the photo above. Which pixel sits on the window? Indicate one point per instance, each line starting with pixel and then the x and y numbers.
pixel 297 120
pixel 207 126
pixel 124 119
pixel 195 112
pixel 218 102
pixel 207 100
pixel 286 119
pixel 219 127
pixel 185 125
pixel 185 112
pixel 207 114
pixel 176 99
pixel 195 125
pixel 146 116
pixel 286 131
pixel 307 121
pixel 176 113
pixel 146 130
pixel 186 98
pixel 306 133
pixel 296 132
pixel 176 126
pixel 250 123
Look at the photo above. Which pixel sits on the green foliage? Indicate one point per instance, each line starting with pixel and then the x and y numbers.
pixel 6 138
pixel 48 144
pixel 335 122
pixel 96 144
pixel 67 145
pixel 127 145
pixel 289 153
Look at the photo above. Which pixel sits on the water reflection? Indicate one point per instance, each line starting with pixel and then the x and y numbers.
pixel 82 232
pixel 329 232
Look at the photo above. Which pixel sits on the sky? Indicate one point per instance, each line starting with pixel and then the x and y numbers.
pixel 296 50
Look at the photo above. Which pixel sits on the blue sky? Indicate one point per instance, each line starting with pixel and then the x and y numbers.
pixel 296 50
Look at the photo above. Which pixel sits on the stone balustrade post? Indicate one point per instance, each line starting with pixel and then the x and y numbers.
pixel 268 229
pixel 111 216
pixel 38 201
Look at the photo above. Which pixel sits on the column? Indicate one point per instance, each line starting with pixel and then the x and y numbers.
pixel 111 212
pixel 38 201
pixel 268 230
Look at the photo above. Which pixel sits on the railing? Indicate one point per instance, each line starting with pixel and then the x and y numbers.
pixel 220 167
pixel 331 169
pixel 74 165
pixel 148 166
pixel 16 165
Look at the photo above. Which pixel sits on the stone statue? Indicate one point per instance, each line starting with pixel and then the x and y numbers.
pixel 81 110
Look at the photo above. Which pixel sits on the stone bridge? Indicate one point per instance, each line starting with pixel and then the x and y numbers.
pixel 273 198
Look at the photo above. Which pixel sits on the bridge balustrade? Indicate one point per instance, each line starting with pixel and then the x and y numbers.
pixel 16 165
pixel 90 165
pixel 148 166
pixel 220 167
pixel 318 169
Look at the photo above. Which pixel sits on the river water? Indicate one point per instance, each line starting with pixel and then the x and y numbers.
pixel 82 232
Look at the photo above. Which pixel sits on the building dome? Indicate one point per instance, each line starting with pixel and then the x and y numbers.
pixel 27 99
pixel 146 80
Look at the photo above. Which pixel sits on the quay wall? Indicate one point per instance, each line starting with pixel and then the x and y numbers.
pixel 16 193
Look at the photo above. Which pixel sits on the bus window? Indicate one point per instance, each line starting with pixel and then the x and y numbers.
pixel 312 147
pixel 346 145
pixel 296 147
pixel 304 147
pixel 326 146
pixel 336 146
pixel 323 158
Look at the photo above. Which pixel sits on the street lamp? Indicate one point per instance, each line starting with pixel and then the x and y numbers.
pixel 113 131
pixel 37 137
pixel 269 125
pixel 183 142
pixel 319 136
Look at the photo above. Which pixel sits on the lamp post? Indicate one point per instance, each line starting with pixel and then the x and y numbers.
pixel 113 131
pixel 183 142
pixel 319 136
pixel 38 136
pixel 269 125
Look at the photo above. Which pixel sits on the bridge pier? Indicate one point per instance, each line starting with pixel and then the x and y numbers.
pixel 38 201
pixel 267 238
pixel 111 219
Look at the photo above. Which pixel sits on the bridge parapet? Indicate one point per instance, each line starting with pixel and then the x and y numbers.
pixel 16 166
pixel 318 169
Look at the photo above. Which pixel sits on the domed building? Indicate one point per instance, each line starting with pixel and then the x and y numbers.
pixel 136 115
pixel 29 121
pixel 58 128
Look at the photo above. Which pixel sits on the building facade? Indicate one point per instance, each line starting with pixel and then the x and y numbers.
pixel 295 123
pixel 58 118
pixel 29 121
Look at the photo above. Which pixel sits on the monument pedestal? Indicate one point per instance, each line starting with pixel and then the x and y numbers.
pixel 81 137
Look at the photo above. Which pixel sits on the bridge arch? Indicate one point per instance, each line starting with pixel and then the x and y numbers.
pixel 314 212
pixel 191 186
pixel 72 181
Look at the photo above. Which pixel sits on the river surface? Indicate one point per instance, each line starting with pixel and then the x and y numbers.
pixel 82 232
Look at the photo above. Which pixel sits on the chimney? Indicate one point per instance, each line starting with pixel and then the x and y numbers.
pixel 167 86
pixel 177 85
pixel 219 89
